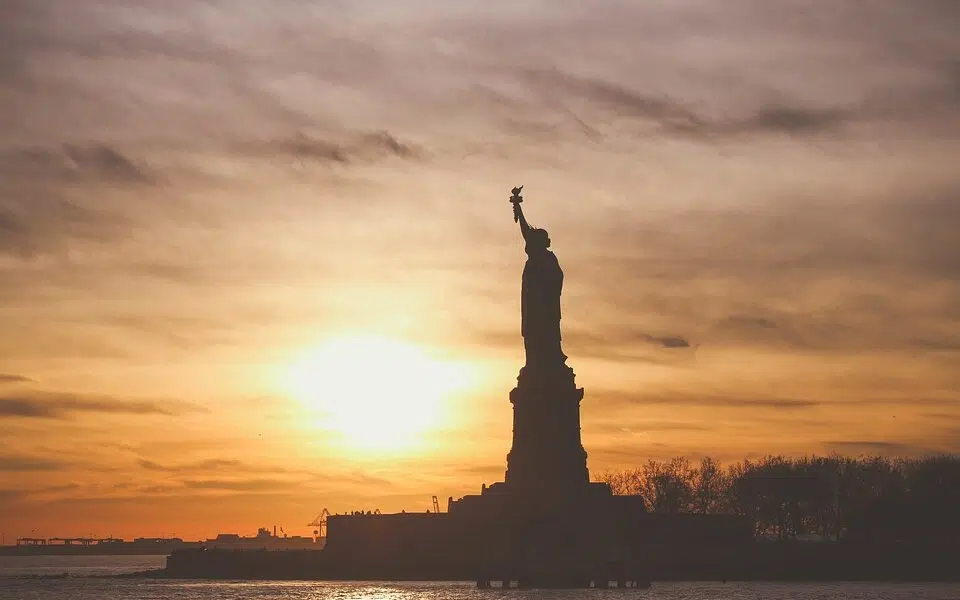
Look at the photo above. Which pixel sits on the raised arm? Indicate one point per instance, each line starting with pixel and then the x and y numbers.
pixel 524 226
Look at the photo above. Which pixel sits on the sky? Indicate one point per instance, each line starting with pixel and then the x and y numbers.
pixel 258 259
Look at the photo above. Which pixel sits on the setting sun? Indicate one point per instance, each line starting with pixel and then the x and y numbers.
pixel 374 393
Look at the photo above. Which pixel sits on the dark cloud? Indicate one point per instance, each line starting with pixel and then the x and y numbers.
pixel 96 162
pixel 215 465
pixel 44 223
pixel 783 119
pixel 874 448
pixel 9 496
pixel 943 416
pixel 757 275
pixel 342 150
pixel 51 405
pixel 610 399
pixel 907 401
pixel 673 117
pixel 383 142
pixel 755 330
pixel 8 378
pixel 305 147
pixel 20 463
pixel 909 230
pixel 633 427
pixel 206 465
pixel 637 454
pixel 624 340
pixel 668 113
pixel 12 407
pixel 240 485
pixel 666 341
pixel 935 345
pixel 739 322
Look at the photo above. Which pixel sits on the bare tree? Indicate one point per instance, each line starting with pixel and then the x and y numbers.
pixel 709 488
pixel 868 498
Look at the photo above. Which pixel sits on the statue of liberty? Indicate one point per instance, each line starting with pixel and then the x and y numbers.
pixel 540 295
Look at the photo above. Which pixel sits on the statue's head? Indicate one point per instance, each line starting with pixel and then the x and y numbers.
pixel 537 239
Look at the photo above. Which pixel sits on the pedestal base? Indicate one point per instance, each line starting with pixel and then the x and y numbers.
pixel 547 456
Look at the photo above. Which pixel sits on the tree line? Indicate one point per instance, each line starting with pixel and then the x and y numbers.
pixel 830 497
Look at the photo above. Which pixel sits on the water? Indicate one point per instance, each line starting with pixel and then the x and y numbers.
pixel 75 566
pixel 18 582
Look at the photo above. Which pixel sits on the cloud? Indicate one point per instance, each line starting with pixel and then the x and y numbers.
pixel 745 322
pixel 241 485
pixel 357 148
pixel 874 448
pixel 888 265
pixel 620 100
pixel 635 427
pixel 54 405
pixel 907 401
pixel 785 119
pixel 361 479
pixel 623 343
pixel 474 471
pixel 21 463
pixel 6 378
pixel 206 465
pixel 72 163
pixel 666 341
pixel 9 496
pixel 943 416
pixel 47 223
pixel 175 331
pixel 12 407
pixel 675 118
pixel 610 399
pixel 214 465
pixel 633 456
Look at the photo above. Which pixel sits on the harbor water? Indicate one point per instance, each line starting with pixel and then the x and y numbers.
pixel 100 578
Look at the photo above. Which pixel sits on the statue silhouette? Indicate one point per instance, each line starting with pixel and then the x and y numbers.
pixel 540 296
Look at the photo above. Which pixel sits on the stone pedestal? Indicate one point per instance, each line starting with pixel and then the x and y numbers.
pixel 547 458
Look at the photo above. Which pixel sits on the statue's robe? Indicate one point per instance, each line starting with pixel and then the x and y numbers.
pixel 540 309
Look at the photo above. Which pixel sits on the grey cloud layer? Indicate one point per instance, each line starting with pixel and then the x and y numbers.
pixel 678 64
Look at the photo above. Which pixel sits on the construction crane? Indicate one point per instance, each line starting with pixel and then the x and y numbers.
pixel 320 522
pixel 436 505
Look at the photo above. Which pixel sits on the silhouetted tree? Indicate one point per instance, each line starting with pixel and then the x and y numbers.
pixel 666 485
pixel 868 498
pixel 709 487
pixel 624 483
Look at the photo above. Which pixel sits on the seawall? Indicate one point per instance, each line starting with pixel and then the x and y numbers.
pixel 758 561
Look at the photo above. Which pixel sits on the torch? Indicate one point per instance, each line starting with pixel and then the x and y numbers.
pixel 516 199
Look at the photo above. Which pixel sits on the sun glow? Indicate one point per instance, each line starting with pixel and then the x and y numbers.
pixel 376 394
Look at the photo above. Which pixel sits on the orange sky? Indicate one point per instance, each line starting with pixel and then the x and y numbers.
pixel 756 209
